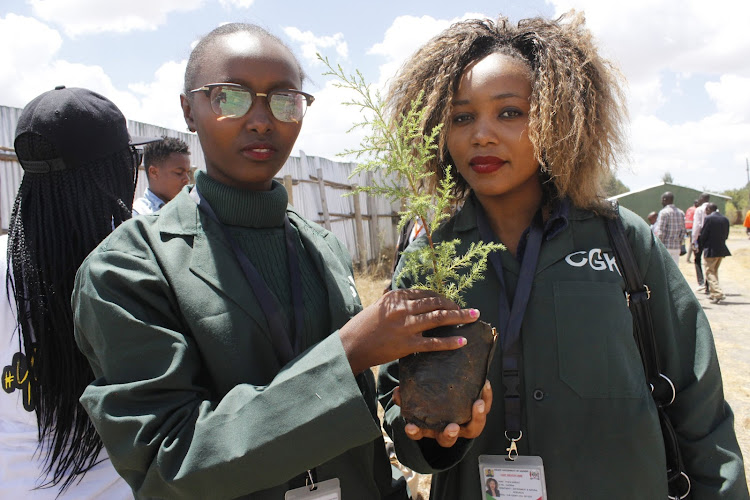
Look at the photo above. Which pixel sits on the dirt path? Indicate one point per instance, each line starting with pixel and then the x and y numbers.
pixel 730 323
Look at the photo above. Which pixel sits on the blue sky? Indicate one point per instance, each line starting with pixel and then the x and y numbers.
pixel 686 64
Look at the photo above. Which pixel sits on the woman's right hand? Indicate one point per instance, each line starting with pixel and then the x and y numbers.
pixel 392 327
pixel 450 434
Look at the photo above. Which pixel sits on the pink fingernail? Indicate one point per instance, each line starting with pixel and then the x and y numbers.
pixel 474 313
pixel 462 341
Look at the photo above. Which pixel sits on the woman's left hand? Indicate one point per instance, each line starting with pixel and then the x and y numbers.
pixel 450 434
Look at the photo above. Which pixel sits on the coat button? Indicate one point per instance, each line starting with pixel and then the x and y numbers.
pixel 538 394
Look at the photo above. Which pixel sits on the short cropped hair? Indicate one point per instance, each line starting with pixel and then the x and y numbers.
pixel 201 51
pixel 156 153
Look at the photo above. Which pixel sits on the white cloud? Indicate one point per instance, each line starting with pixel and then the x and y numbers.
pixel 312 45
pixel 37 49
pixel 324 131
pixel 405 35
pixel 158 101
pixel 645 95
pixel 660 41
pixel 79 17
pixel 731 95
pixel 241 4
pixel 681 36
pixel 26 59
pixel 31 67
pixel 705 154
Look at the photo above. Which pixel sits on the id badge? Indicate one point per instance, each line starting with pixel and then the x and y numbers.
pixel 329 489
pixel 519 479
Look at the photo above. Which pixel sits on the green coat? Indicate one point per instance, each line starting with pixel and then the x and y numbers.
pixel 586 409
pixel 188 397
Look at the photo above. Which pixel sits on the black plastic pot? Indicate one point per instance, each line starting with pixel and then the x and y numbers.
pixel 438 388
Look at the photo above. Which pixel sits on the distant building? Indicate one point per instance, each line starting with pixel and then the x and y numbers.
pixel 648 199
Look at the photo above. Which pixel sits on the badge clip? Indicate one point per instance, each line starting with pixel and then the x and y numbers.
pixel 309 479
pixel 513 448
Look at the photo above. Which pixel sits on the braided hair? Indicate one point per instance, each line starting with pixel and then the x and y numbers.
pixel 58 218
pixel 577 106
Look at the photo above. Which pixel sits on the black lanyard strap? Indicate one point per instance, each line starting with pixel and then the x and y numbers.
pixel 280 337
pixel 511 318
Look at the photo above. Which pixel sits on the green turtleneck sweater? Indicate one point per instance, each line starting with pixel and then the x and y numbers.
pixel 255 219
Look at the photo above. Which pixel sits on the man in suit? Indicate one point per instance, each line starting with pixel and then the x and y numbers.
pixel 712 239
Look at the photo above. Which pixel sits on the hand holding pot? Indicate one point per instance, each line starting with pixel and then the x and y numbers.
pixel 392 327
pixel 450 434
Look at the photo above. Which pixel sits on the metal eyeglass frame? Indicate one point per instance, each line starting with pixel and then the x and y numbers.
pixel 206 89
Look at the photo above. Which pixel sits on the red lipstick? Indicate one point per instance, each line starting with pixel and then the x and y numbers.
pixel 486 164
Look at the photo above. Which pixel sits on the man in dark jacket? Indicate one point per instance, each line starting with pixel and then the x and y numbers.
pixel 713 239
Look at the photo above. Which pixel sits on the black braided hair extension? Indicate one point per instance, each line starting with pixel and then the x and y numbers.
pixel 58 219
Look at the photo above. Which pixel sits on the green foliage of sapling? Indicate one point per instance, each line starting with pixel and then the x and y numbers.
pixel 400 151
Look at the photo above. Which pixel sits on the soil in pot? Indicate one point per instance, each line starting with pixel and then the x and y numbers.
pixel 438 388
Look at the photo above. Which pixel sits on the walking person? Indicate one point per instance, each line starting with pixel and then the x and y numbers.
pixel 231 350
pixel 79 168
pixel 713 240
pixel 689 214
pixel 670 226
pixel 698 217
pixel 532 119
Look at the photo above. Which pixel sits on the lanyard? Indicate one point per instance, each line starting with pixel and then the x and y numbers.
pixel 511 319
pixel 274 315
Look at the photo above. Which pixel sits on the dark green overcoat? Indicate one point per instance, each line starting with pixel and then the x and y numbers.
pixel 189 398
pixel 586 408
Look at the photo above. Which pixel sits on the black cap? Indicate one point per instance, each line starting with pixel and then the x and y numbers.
pixel 82 125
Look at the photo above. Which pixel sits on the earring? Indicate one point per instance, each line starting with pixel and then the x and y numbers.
pixel 191 129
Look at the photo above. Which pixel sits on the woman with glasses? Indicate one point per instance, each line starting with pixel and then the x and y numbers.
pixel 230 346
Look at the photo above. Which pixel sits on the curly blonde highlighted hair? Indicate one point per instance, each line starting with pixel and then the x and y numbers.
pixel 577 109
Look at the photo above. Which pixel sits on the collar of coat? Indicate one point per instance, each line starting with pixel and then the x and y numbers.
pixel 562 211
pixel 181 217
pixel 557 234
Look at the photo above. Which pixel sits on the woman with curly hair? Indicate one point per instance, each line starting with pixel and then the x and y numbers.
pixel 532 119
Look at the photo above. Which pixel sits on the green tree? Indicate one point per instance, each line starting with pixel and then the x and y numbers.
pixel 667 178
pixel 613 186
pixel 739 197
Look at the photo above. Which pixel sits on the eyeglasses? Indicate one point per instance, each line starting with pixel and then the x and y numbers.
pixel 232 100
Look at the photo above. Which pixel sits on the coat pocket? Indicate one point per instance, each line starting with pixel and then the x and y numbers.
pixel 597 354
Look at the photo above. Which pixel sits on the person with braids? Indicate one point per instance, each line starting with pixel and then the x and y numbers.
pixel 533 117
pixel 167 164
pixel 79 178
pixel 231 352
